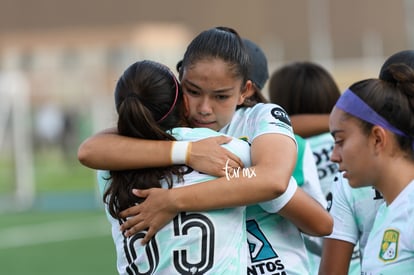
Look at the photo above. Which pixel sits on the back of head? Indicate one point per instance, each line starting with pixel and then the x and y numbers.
pixel 402 57
pixel 303 88
pixel 147 97
pixel 258 69
pixel 392 99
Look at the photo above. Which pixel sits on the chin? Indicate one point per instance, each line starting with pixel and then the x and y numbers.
pixel 353 183
pixel 357 184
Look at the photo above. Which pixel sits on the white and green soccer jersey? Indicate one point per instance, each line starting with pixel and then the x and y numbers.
pixel 390 246
pixel 210 242
pixel 353 211
pixel 275 244
pixel 306 175
pixel 322 146
pixel 249 123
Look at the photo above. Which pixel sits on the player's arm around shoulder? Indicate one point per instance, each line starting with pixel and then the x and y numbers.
pixel 308 214
pixel 273 158
pixel 107 150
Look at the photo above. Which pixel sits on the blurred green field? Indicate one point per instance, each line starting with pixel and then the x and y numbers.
pixel 65 232
pixel 59 243
pixel 53 171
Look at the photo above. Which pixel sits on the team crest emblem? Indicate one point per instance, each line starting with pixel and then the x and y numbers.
pixel 244 138
pixel 389 245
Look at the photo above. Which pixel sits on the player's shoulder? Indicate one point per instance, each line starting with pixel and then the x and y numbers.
pixel 270 110
pixel 193 134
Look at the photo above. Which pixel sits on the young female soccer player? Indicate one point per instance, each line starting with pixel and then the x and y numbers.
pixel 354 209
pixel 306 88
pixel 373 127
pixel 148 101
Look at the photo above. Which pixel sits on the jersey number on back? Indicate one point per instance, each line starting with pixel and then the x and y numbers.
pixel 184 224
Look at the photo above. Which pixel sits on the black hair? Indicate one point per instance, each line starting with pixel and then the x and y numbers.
pixel 393 99
pixel 303 88
pixel 148 101
pixel 224 43
pixel 402 57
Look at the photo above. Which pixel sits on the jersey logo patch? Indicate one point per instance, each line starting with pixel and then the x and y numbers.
pixel 259 247
pixel 280 114
pixel 246 139
pixel 389 246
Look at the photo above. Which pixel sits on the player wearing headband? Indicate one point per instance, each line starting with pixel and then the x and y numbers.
pixel 148 101
pixel 354 209
pixel 373 127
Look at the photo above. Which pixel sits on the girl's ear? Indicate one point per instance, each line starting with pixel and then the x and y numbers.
pixel 380 137
pixel 247 91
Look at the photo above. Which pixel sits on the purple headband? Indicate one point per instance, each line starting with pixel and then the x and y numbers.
pixel 175 99
pixel 354 105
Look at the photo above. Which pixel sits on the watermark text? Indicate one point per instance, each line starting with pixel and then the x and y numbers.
pixel 235 173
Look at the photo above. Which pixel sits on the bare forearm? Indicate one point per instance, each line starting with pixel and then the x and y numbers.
pixel 110 151
pixel 307 125
pixel 336 256
pixel 308 215
pixel 229 192
pixel 267 179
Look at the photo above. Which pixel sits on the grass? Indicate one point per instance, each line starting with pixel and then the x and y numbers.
pixel 53 172
pixel 64 243
pixel 65 232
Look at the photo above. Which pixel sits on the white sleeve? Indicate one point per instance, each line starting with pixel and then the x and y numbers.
pixel 274 206
pixel 345 226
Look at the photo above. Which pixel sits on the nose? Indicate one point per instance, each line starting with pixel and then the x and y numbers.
pixel 335 157
pixel 204 107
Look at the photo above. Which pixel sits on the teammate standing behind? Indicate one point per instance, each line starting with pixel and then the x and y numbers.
pixel 306 88
pixel 373 127
pixel 353 209
pixel 305 172
pixel 149 104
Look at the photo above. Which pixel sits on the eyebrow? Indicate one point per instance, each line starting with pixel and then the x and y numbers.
pixel 334 132
pixel 224 90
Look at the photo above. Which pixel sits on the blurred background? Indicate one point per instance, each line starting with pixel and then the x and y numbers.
pixel 60 60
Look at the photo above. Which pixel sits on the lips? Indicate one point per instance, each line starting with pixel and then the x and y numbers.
pixel 201 123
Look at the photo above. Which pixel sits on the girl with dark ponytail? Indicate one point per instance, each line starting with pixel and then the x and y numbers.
pixel 373 127
pixel 354 209
pixel 149 103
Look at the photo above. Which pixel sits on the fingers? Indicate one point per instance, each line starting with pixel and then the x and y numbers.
pixel 132 211
pixel 148 236
pixel 130 231
pixel 235 163
pixel 129 225
pixel 140 193
pixel 223 139
pixel 133 226
pixel 233 160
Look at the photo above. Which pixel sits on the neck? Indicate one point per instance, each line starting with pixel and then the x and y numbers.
pixel 394 177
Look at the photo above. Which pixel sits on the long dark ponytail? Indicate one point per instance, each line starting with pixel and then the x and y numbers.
pixel 148 101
